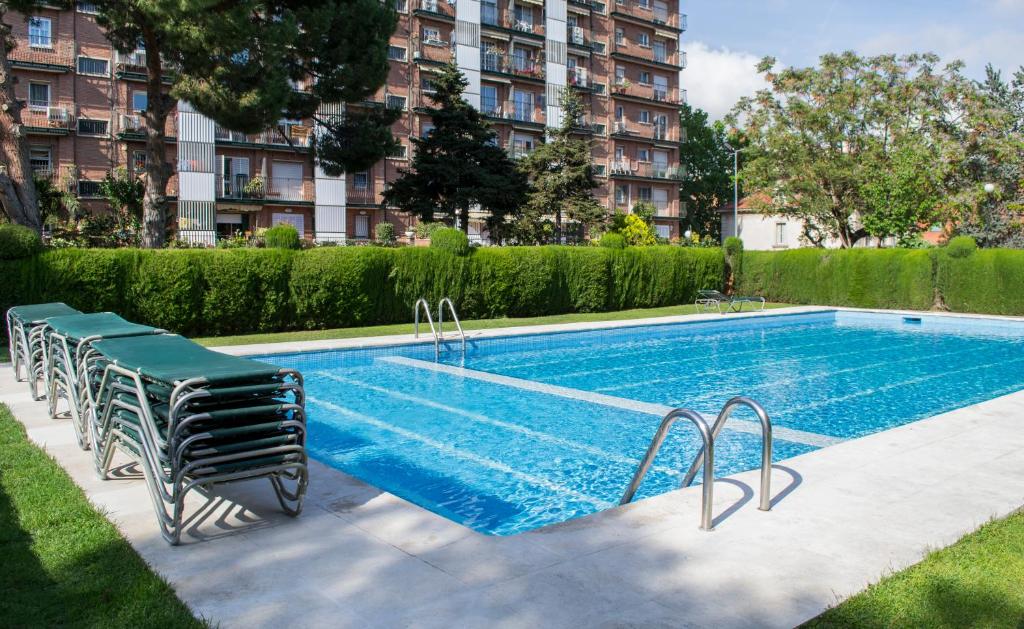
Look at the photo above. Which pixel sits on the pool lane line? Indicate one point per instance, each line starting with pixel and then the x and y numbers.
pixel 739 425
pixel 511 426
pixel 482 461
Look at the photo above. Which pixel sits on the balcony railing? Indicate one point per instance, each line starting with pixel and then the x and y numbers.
pixel 646 170
pixel 662 94
pixel 648 53
pixel 497 61
pixel 52 116
pixel 300 136
pixel 435 50
pixel 516 112
pixel 437 7
pixel 36 50
pixel 269 189
pixel 369 193
pixel 644 10
pixel 578 77
pixel 519 151
pixel 657 132
pixel 577 36
pixel 134 63
pixel 134 123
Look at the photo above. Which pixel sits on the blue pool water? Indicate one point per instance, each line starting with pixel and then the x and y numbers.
pixel 530 430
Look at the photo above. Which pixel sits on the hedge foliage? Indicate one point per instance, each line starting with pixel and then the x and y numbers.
pixel 18 241
pixel 989 281
pixel 236 291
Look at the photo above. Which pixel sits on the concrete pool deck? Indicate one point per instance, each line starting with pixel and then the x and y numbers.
pixel 843 517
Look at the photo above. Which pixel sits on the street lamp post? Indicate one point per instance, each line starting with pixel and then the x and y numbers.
pixel 735 189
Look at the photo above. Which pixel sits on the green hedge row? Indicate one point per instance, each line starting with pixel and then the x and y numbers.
pixel 989 281
pixel 236 291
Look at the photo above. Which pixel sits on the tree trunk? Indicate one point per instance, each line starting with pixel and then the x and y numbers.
pixel 17 189
pixel 464 218
pixel 158 169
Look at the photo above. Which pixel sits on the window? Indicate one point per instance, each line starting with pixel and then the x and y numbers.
pixel 644 193
pixel 362 226
pixel 523 106
pixel 92 127
pixel 38 95
pixel 39 32
pixel 660 51
pixel 431 35
pixel 395 102
pixel 619 113
pixel 660 11
pixel 489 12
pixel 86 7
pixel 427 86
pixel 599 170
pixel 660 87
pixel 598 47
pixel 426 128
pixel 599 88
pixel 524 17
pixel 645 78
pixel 664 231
pixel 644 117
pixel 660 159
pixel 620 35
pixel 361 181
pixel 89 188
pixel 139 161
pixel 643 155
pixel 96 67
pixel 396 53
pixel 620 153
pixel 643 39
pixel 401 152
pixel 489 100
pixel 39 159
pixel 140 100
pixel 620 74
pixel 399 6
pixel 622 194
pixel 660 200
pixel 234 172
pixel 780 234
pixel 599 7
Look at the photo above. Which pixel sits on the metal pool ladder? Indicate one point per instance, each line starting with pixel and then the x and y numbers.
pixel 437 333
pixel 706 456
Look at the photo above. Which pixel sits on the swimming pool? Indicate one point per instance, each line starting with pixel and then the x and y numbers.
pixel 526 431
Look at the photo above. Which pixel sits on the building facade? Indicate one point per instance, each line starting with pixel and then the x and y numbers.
pixel 623 57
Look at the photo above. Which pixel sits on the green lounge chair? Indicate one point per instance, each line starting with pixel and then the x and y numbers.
pixel 68 342
pixel 25 326
pixel 193 418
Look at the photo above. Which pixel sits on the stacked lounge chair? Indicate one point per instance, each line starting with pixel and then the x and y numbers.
pixel 68 341
pixel 189 417
pixel 25 334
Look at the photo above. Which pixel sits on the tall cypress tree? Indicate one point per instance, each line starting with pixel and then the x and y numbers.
pixel 561 174
pixel 459 164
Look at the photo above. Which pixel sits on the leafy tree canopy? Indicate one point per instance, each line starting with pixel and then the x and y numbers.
pixel 707 164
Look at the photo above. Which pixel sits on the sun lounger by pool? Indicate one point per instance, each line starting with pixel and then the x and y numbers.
pixel 193 418
pixel 68 341
pixel 25 326
pixel 713 299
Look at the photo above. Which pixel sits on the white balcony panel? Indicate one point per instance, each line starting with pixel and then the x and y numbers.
pixel 468 11
pixel 196 186
pixel 330 222
pixel 193 127
pixel 557 74
pixel 329 191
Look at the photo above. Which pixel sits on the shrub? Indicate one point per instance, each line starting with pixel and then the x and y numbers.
pixel 385 233
pixel 638 232
pixel 988 281
pixel 961 247
pixel 733 260
pixel 18 241
pixel 283 236
pixel 451 240
pixel 613 240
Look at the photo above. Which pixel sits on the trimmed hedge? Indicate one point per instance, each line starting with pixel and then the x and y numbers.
pixel 18 241
pixel 235 291
pixel 989 281
pixel 864 278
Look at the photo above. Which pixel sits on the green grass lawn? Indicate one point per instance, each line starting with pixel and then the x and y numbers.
pixel 977 582
pixel 63 564
pixel 478 324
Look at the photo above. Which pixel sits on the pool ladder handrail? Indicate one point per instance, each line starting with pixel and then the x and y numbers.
pixel 706 456
pixel 416 324
pixel 455 317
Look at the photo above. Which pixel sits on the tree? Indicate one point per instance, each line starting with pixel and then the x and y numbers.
pixel 458 165
pixel 706 162
pixel 820 138
pixel 18 196
pixel 561 175
pixel 247 64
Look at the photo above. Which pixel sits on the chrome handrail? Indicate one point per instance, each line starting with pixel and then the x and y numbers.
pixel 440 320
pixel 416 329
pixel 766 446
pixel 709 465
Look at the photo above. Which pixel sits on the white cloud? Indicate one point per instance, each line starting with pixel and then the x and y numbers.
pixel 715 78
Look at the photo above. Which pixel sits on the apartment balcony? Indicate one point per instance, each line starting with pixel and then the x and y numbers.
pixel 643 170
pixel 660 57
pixel 643 11
pixel 268 190
pixel 519 151
pixel 577 36
pixel 579 77
pixel 518 114
pixel 49 118
pixel 497 62
pixel 647 93
pixel 440 9
pixel 286 137
pixel 436 51
pixel 366 194
pixel 45 54
pixel 653 133
pixel 132 126
pixel 505 20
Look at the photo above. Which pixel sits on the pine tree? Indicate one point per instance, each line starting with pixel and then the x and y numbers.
pixel 459 164
pixel 561 175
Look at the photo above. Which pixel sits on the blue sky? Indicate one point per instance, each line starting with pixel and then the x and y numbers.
pixel 727 37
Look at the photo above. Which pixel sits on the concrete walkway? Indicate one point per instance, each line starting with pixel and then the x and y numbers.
pixel 843 517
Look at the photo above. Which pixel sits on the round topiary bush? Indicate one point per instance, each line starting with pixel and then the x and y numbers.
pixel 612 240
pixel 18 241
pixel 961 246
pixel 282 236
pixel 450 239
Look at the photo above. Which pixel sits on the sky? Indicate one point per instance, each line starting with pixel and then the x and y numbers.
pixel 726 38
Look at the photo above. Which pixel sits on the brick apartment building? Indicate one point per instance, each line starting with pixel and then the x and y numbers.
pixel 83 102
